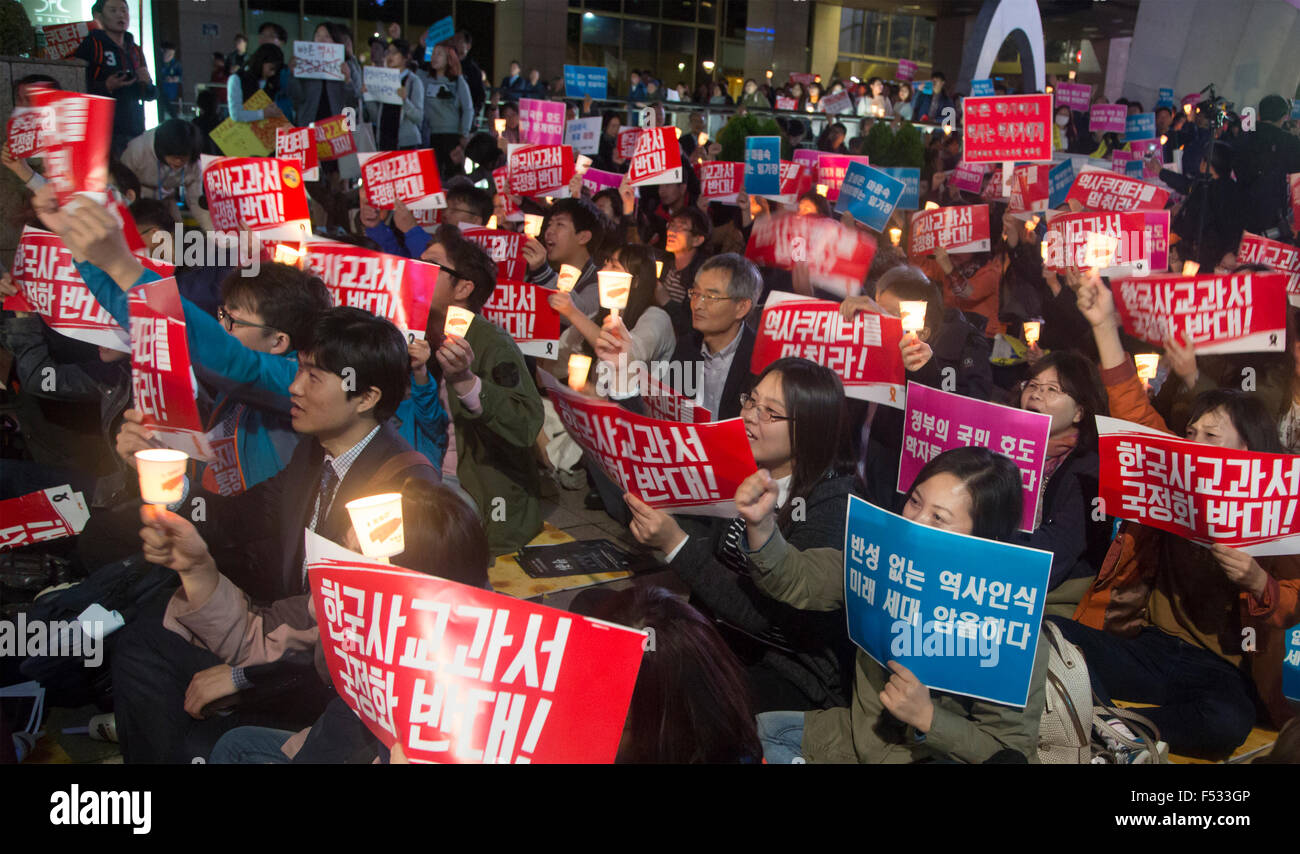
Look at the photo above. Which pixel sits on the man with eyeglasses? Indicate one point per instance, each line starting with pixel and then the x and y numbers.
pixel 715 355
pixel 572 229
pixel 685 238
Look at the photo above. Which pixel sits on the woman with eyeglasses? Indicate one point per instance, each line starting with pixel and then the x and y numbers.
pixel 795 659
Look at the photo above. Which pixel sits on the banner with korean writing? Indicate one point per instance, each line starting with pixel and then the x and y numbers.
pixel 76 150
pixel 521 309
pixel 721 180
pixel 906 70
pixel 664 403
pixel 263 194
pixel 583 135
pixel 804 78
pixel 389 286
pixel 795 181
pixel 442 29
pixel 411 176
pixel 1140 126
pixel 37 517
pixel 1204 493
pixel 381 84
pixel 911 178
pixel 1232 313
pixel 1108 192
pixel 598 179
pixel 583 80
pixel 679 468
pixel 505 248
pixel 981 88
pixel 297 145
pixel 1076 96
pixel 831 169
pixel 938 421
pixel 1276 255
pixel 1108 118
pixel 317 60
pixel 27 130
pixel 838 256
pixel 627 138
pixel 1165 98
pixel 540 170
pixel 1060 179
pixel 541 122
pixel 962 613
pixel 957 229
pixel 657 159
pixel 869 195
pixel 785 103
pixel 501 183
pixel 62 40
pixel 1140 242
pixel 1293 187
pixel 49 285
pixel 249 139
pixel 864 351
pixel 968 177
pixel 162 382
pixel 1291 665
pixel 334 138
pixel 1031 188
pixel 834 105
pixel 1007 127
pixel 458 674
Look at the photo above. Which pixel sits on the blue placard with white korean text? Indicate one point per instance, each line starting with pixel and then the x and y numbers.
pixel 583 80
pixel 869 195
pixel 1134 168
pixel 439 32
pixel 911 178
pixel 981 88
pixel 962 613
pixel 1059 181
pixel 763 165
pixel 1140 126
pixel 1166 98
pixel 1291 664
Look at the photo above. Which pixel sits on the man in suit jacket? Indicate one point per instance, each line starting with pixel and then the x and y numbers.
pixel 512 85
pixel 715 356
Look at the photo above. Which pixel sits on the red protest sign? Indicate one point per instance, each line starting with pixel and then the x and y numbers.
pixel 838 256
pixel 664 403
pixel 720 180
pixel 541 170
pixel 458 674
pixel 501 182
pixel 863 351
pixel 1007 127
pixel 957 229
pixel 411 176
pixel 676 467
pixel 505 248
pixel 521 309
pixel 333 138
pixel 1030 188
pixel 1293 187
pixel 1241 313
pixel 398 289
pixel 796 179
pixel 262 194
pixel 76 149
pixel 627 138
pixel 37 517
pixel 50 285
pixel 1109 192
pixel 162 383
pixel 298 145
pixel 61 40
pixel 1204 493
pixel 804 78
pixel 1282 257
pixel 657 159
pixel 784 103
pixel 840 102
pixel 27 127
pixel 1135 241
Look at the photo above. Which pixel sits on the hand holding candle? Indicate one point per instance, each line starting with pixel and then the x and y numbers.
pixel 579 367
pixel 458 321
pixel 162 475
pixel 1147 366
pixel 895 235
pixel 1032 328
pixel 567 277
pixel 533 225
pixel 614 289
pixel 377 521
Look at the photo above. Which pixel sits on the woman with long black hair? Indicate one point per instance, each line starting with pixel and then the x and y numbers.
pixel 262 71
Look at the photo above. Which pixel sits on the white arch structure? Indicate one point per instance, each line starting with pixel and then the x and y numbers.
pixel 999 20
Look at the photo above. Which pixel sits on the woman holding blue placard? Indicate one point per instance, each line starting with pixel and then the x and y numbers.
pixel 893 717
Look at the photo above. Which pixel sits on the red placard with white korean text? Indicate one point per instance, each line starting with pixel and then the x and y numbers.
pixel 411 176
pixel 957 229
pixel 1232 313
pixel 521 309
pixel 1030 188
pixel 333 138
pixel 458 674
pixel 505 248
pixel 863 351
pixel 76 149
pixel 720 180
pixel 675 467
pixel 796 179
pixel 784 103
pixel 1204 493
pixel 627 138
pixel 263 194
pixel 24 135
pixel 831 169
pixel 1293 187
pixel 389 286
pixel 49 285
pixel 838 256
pixel 1106 191
pixel 162 383
pixel 1276 255
pixel 298 145
pixel 501 182
pixel 664 403
pixel 37 517
pixel 541 170
pixel 1143 241
pixel 61 40
pixel 657 159
pixel 1007 127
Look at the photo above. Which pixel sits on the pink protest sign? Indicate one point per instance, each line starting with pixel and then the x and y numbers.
pixel 831 169
pixel 938 421
pixel 840 102
pixel 598 179
pixel 968 177
pixel 906 70
pixel 1108 118
pixel 541 122
pixel 1076 96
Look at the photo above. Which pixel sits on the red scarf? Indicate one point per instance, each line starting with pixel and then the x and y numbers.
pixel 1057 448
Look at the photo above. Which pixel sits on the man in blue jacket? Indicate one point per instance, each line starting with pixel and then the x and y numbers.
pixel 115 69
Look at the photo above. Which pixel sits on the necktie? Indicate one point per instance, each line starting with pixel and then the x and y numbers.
pixel 329 481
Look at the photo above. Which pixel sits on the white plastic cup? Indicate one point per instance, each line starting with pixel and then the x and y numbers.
pixel 567 277
pixel 458 321
pixel 533 225
pixel 579 367
pixel 912 313
pixel 1147 366
pixel 584 163
pixel 162 475
pixel 377 520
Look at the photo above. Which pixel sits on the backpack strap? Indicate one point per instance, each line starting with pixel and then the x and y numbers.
pixel 405 460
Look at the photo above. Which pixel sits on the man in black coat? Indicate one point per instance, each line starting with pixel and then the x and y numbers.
pixel 715 356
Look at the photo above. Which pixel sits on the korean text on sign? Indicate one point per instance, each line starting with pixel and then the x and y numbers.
pixel 1242 313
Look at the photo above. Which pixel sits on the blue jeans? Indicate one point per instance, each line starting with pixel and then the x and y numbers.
pixel 251 745
pixel 782 736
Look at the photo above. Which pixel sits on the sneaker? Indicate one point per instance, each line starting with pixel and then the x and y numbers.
pixel 1142 755
pixel 571 479
pixel 103 728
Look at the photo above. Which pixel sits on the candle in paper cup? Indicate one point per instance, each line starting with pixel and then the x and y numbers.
pixel 286 254
pixel 614 288
pixel 1099 250
pixel 458 321
pixel 501 126
pixel 162 475
pixel 533 225
pixel 659 269
pixel 822 189
pixel 579 367
pixel 567 277
pixel 1032 223
pixel 584 163
pixel 550 200
pixel 1042 250
pixel 702 139
pixel 895 235
pixel 492 221
pixel 377 519
pixel 677 132
pixel 930 206
pixel 1147 365
pixel 1032 328
pixel 1187 108
pixel 1191 268
pixel 912 312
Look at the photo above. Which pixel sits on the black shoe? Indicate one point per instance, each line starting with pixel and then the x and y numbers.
pixel 593 501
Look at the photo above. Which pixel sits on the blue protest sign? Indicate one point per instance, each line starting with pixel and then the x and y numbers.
pixel 1059 181
pixel 981 88
pixel 927 88
pixel 1295 109
pixel 439 32
pixel 960 612
pixel 1134 168
pixel 1166 98
pixel 911 178
pixel 582 80
pixel 1291 664
pixel 869 195
pixel 1140 126
pixel 763 165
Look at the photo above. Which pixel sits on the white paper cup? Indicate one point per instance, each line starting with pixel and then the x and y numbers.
pixel 1191 268
pixel 500 126
pixel 584 163
pixel 822 190
pixel 614 288
pixel 912 313
pixel 579 367
pixel 533 224
pixel 377 520
pixel 458 321
pixel 1032 328
pixel 1100 250
pixel 895 236
pixel 162 475
pixel 567 277
pixel 492 221
pixel 702 139
pixel 1147 366
pixel 930 206
pixel 659 269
